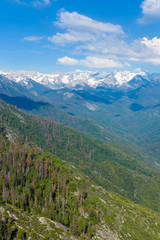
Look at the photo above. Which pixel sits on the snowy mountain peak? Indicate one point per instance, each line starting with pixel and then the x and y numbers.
pixel 126 76
pixel 77 79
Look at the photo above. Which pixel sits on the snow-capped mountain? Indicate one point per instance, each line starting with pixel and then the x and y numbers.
pixel 80 79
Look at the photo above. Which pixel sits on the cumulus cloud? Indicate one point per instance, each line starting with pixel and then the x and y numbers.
pixel 150 11
pixel 100 62
pixel 150 50
pixel 32 38
pixel 80 28
pixel 138 70
pixel 152 44
pixel 85 35
pixel 110 45
pixel 91 62
pixel 92 38
pixel 145 50
pixel 76 21
pixel 71 37
pixel 154 61
pixel 67 61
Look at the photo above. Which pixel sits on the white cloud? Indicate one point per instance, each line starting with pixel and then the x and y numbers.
pixel 141 50
pixel 150 50
pixel 100 62
pixel 153 44
pixel 91 62
pixel 76 21
pixel 150 11
pixel 92 38
pixel 110 45
pixel 67 61
pixel 72 37
pixel 85 35
pixel 32 38
pixel 146 50
pixel 80 28
pixel 154 61
pixel 138 70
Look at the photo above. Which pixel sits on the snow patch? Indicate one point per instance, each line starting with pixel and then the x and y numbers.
pixel 68 95
pixel 92 107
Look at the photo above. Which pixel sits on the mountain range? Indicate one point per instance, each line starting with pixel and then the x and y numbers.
pixel 82 79
pixel 119 107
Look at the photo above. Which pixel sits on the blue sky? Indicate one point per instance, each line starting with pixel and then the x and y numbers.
pixel 65 35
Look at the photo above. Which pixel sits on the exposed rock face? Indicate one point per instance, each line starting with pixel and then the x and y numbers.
pixel 105 234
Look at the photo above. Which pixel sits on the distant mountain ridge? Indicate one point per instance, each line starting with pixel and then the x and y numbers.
pixel 82 79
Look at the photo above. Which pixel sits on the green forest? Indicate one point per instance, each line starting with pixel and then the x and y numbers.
pixel 49 175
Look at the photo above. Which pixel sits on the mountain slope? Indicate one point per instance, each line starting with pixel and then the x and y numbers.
pixel 69 119
pixel 105 163
pixel 66 118
pixel 49 191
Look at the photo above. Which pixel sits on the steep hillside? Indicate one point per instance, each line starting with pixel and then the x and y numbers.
pixel 43 197
pixel 105 163
pixel 59 115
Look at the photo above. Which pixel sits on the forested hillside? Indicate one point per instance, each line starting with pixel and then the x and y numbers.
pixel 58 115
pixel 39 191
pixel 107 165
